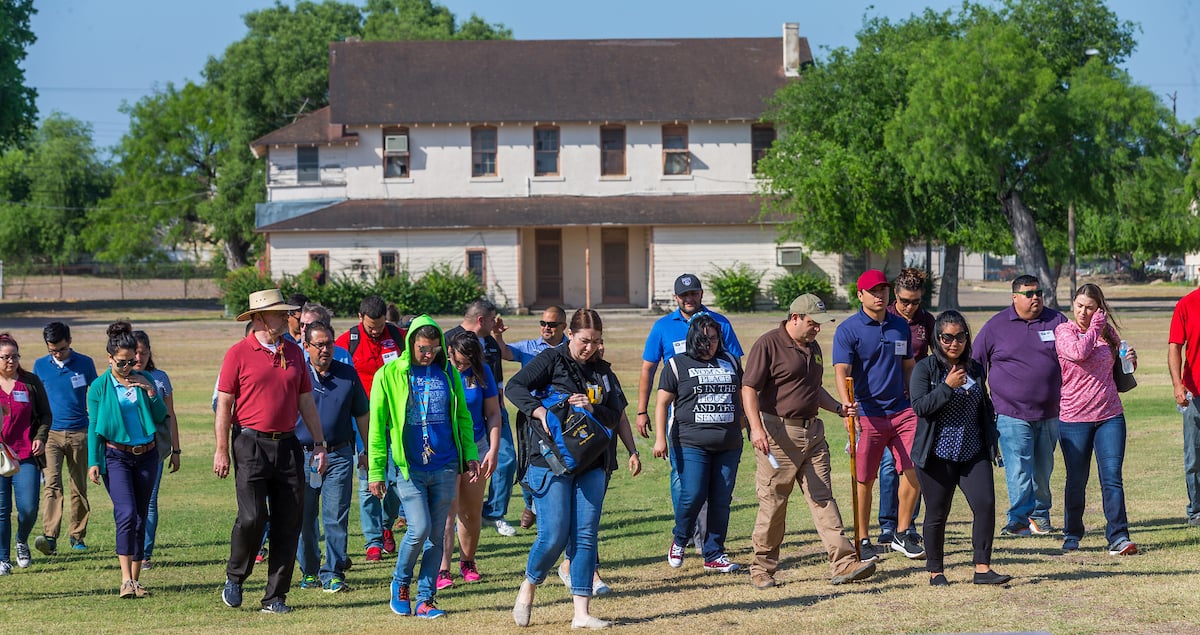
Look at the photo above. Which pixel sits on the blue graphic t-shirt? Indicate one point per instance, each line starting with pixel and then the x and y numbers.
pixel 428 413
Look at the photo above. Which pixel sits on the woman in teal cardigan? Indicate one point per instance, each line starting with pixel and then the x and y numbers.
pixel 125 416
pixel 418 400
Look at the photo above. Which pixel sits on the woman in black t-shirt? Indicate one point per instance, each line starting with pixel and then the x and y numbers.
pixel 702 386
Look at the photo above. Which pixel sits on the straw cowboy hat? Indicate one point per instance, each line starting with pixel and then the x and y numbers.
pixel 267 300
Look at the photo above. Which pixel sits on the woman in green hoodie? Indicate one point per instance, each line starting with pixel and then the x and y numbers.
pixel 125 414
pixel 419 400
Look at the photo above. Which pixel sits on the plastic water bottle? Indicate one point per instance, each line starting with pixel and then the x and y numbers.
pixel 314 477
pixel 362 473
pixel 772 460
pixel 1126 363
pixel 547 453
pixel 1183 409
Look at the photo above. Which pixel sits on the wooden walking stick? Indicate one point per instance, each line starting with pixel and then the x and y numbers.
pixel 851 427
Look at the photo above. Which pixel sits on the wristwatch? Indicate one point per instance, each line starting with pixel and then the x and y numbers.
pixel 318 444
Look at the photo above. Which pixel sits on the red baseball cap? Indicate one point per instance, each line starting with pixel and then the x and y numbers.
pixel 870 279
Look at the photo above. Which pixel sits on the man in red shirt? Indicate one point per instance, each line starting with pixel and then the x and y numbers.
pixel 264 377
pixel 1184 342
pixel 372 343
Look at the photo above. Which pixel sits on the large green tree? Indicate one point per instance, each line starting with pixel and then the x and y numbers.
pixel 18 107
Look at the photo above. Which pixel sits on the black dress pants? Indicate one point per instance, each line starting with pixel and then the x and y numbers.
pixel 938 480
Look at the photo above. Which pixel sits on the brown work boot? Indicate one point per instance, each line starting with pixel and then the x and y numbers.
pixel 528 518
pixel 762 580
pixel 853 572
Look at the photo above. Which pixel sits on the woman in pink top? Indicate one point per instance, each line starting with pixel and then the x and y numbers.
pixel 1093 420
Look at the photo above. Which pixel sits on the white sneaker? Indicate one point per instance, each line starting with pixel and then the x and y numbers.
pixel 503 528
pixel 23 556
pixel 675 556
pixel 5 568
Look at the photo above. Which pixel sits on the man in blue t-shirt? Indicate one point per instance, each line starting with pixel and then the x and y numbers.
pixel 343 409
pixel 668 338
pixel 873 347
pixel 67 375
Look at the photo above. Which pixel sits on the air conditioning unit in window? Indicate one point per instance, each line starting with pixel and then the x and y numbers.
pixel 789 256
pixel 395 143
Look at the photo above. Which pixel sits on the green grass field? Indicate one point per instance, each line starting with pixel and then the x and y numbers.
pixel 1086 592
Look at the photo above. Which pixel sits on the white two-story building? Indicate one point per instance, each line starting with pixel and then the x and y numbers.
pixel 575 172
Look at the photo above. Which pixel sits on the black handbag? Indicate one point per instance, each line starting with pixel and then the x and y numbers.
pixel 1125 381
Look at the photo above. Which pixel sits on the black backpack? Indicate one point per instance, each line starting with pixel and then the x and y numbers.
pixel 396 332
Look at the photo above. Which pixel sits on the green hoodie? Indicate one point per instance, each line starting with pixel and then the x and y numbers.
pixel 389 405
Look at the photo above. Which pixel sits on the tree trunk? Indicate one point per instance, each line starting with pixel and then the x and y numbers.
pixel 235 255
pixel 948 290
pixel 1028 244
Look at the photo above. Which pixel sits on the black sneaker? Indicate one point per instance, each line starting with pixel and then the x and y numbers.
pixel 886 538
pixel 277 607
pixel 867 551
pixel 906 545
pixel 231 595
pixel 916 537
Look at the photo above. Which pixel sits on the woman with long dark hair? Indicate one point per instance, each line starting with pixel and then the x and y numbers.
pixel 568 504
pixel 955 442
pixel 703 386
pixel 170 453
pixel 1092 417
pixel 24 429
pixel 125 414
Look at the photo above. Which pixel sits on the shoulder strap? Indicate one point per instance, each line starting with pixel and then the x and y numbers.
pixel 674 369
pixel 397 335
pixel 352 345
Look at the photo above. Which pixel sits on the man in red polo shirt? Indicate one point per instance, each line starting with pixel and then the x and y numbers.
pixel 264 377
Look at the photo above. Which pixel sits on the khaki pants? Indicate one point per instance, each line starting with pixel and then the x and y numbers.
pixel 803 456
pixel 70 446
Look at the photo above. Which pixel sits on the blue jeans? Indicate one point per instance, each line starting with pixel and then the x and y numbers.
pixel 426 497
pixel 677 487
pixel 706 476
pixel 26 487
pixel 1028 449
pixel 1191 457
pixel 568 506
pixel 501 486
pixel 152 515
pixel 889 496
pixel 1107 440
pixel 328 507
pixel 374 514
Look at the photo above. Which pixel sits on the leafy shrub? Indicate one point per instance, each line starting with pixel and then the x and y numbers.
pixel 788 287
pixel 852 293
pixel 237 285
pixel 444 291
pixel 735 287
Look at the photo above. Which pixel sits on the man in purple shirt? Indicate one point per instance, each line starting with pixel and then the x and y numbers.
pixel 909 291
pixel 1016 347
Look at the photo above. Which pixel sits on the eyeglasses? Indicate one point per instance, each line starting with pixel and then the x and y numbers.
pixel 124 363
pixel 947 338
pixel 61 349
pixel 321 345
pixel 550 325
pixel 429 350
pixel 10 358
pixel 907 302
pixel 294 314
pixel 583 342
pixel 1030 294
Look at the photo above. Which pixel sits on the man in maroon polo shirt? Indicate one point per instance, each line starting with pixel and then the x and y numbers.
pixel 264 377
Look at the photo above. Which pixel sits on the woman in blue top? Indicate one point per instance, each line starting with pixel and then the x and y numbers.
pixel 483 401
pixel 162 383
pixel 125 412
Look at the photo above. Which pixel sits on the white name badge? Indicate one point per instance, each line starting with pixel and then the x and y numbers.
pixel 969 384
pixel 20 396
pixel 78 381
pixel 901 347
pixel 1046 336
pixel 390 356
pixel 680 347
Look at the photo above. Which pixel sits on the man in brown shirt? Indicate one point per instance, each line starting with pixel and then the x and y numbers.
pixel 781 392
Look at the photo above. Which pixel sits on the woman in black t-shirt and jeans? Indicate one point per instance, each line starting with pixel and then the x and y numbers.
pixel 703 387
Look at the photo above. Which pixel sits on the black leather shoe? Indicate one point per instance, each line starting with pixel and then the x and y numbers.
pixel 939 580
pixel 991 577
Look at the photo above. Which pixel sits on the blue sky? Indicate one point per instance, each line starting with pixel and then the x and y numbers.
pixel 91 56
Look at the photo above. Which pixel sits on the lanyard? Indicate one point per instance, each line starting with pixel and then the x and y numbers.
pixel 423 404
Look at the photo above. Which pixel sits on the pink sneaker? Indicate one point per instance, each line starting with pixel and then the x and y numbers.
pixel 444 581
pixel 468 571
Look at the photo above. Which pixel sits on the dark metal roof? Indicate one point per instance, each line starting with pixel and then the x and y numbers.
pixel 415 82
pixel 312 128
pixel 546 211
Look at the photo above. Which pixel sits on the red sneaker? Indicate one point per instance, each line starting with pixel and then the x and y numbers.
pixel 374 554
pixel 389 541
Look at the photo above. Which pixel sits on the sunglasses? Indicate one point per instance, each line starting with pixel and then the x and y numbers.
pixel 1030 294
pixel 60 349
pixel 429 350
pixel 124 363
pixel 907 302
pixel 947 338
pixel 550 325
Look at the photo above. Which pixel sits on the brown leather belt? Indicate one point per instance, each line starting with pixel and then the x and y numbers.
pixel 136 450
pixel 803 422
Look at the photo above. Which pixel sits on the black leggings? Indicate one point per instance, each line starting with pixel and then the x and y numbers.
pixel 938 479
